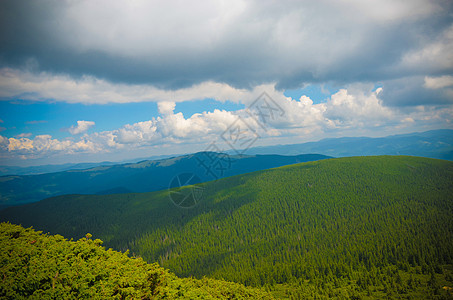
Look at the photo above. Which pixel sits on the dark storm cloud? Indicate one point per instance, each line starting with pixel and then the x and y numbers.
pixel 412 91
pixel 240 43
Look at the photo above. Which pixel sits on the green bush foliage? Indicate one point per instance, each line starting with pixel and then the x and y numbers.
pixel 37 266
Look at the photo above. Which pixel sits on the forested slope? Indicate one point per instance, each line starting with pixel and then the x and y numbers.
pixel 36 266
pixel 349 227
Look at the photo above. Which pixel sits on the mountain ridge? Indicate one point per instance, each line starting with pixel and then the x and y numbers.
pixel 432 144
pixel 444 134
pixel 144 176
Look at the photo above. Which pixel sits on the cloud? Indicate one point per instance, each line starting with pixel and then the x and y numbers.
pixel 28 134
pixel 43 86
pixel 358 107
pixel 433 55
pixel 36 122
pixel 200 126
pixel 119 52
pixel 238 43
pixel 438 82
pixel 166 108
pixel 45 145
pixel 19 144
pixel 82 126
pixel 141 132
pixel 355 108
pixel 417 90
pixel 3 143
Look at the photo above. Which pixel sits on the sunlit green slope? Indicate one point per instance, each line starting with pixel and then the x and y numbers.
pixel 36 266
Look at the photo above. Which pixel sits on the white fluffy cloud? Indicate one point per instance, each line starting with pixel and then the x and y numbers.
pixel 45 145
pixel 142 132
pixel 165 107
pixel 82 126
pixel 357 107
pixel 19 144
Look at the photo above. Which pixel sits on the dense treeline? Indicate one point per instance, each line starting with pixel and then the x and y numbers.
pixel 40 266
pixel 349 227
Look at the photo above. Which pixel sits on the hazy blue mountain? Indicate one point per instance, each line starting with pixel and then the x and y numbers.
pixel 144 176
pixel 433 144
pixel 42 169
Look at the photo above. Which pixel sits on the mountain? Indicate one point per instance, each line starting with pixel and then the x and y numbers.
pixel 35 170
pixel 42 169
pixel 433 144
pixel 348 228
pixel 50 267
pixel 151 175
pixel 144 176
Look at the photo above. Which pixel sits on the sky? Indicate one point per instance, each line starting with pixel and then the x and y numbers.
pixel 86 81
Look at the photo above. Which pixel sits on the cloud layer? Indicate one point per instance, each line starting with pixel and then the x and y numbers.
pixel 356 108
pixel 240 43
pixel 43 86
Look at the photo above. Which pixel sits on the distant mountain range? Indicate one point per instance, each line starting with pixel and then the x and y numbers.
pixel 432 144
pixel 42 169
pixel 34 170
pixel 145 176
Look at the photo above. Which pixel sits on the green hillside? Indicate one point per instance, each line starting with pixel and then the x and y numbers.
pixel 359 227
pixel 36 266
